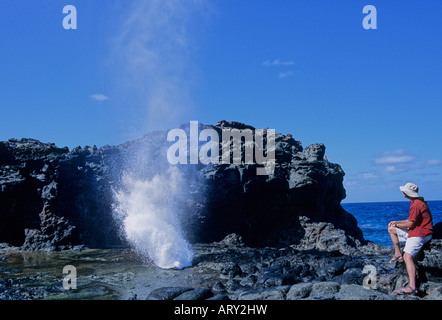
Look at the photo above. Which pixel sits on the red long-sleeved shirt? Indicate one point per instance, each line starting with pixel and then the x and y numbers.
pixel 422 219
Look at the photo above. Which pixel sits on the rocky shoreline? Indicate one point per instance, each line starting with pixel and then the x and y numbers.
pixel 279 237
pixel 225 270
pixel 307 274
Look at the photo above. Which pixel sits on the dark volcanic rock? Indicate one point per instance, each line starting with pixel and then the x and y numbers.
pixel 52 198
pixel 195 294
pixel 167 293
pixel 222 270
pixel 265 210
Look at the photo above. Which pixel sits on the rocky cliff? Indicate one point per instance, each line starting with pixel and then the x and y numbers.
pixel 52 198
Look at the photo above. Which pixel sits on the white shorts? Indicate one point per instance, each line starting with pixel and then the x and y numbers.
pixel 412 245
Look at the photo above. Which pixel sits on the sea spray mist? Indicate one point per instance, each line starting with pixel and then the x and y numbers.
pixel 149 196
pixel 153 50
pixel 149 210
pixel 156 204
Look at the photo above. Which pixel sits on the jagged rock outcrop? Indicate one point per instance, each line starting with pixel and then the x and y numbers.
pixel 265 210
pixel 52 198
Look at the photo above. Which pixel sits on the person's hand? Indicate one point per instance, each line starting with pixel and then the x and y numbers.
pixel 391 224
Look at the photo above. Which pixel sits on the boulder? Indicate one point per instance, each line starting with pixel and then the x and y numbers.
pixel 326 237
pixel 274 280
pixel 435 293
pixel 324 290
pixel 167 293
pixel 432 261
pixel 195 294
pixel 299 291
pixel 52 198
pixel 357 292
pixel 273 293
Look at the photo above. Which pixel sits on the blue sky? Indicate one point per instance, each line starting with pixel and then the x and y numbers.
pixel 373 97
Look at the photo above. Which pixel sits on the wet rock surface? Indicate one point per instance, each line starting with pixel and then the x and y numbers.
pixel 225 270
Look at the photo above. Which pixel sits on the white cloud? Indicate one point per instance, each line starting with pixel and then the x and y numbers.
pixel 369 175
pixel 277 62
pixel 392 169
pixel 99 97
pixel 434 162
pixel 395 157
pixel 399 161
pixel 283 75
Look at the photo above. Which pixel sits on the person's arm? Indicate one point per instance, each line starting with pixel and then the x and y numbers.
pixel 404 224
pixel 409 223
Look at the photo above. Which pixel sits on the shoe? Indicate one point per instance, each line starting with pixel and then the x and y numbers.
pixel 403 292
pixel 396 258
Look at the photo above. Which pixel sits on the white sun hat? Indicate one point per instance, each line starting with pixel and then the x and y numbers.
pixel 410 189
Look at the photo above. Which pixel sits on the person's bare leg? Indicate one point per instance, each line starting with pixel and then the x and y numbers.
pixel 411 270
pixel 395 239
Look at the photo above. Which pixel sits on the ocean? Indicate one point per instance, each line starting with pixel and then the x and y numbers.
pixel 373 217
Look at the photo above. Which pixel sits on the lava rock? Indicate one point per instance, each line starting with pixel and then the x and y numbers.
pixel 78 188
pixel 195 294
pixel 357 292
pixel 273 293
pixel 299 291
pixel 167 293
